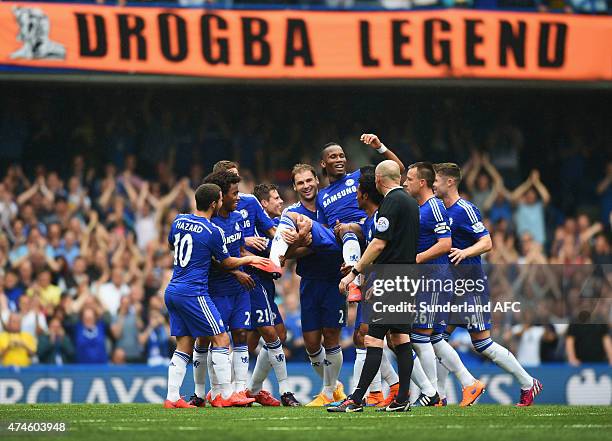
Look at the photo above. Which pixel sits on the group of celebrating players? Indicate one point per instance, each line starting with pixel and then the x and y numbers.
pixel 229 251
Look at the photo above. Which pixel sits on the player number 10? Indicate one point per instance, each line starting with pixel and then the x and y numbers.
pixel 182 249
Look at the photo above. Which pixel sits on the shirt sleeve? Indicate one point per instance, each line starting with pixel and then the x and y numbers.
pixel 321 218
pixel 217 245
pixel 473 222
pixel 386 222
pixel 441 224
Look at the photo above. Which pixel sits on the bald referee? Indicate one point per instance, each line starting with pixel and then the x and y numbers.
pixel 395 242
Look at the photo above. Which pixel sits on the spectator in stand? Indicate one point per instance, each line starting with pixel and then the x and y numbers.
pixel 504 249
pixel 602 254
pixel 16 346
pixel 532 252
pixel 588 343
pixel 89 335
pixel 110 293
pixel 8 208
pixel 483 181
pixel 13 289
pixel 78 200
pixel 531 337
pixel 156 339
pixel 529 215
pixel 55 347
pixel 69 248
pixel 33 320
pixel 69 279
pixel 127 325
pixel 604 190
pixel 47 293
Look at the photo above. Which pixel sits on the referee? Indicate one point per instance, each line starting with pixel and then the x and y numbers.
pixel 395 242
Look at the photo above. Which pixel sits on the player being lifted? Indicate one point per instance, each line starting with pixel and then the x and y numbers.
pixel 470 239
pixel 195 241
pixel 266 318
pixel 323 309
pixel 337 203
pixel 433 248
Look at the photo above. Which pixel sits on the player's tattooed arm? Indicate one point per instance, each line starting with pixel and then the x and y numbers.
pixel 374 142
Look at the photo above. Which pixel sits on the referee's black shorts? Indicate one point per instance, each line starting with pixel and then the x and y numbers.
pixel 379 331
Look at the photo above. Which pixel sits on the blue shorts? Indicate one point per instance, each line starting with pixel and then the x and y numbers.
pixel 264 311
pixel 323 238
pixel 427 318
pixel 322 305
pixel 473 318
pixel 235 310
pixel 193 316
pixel 270 287
pixel 476 321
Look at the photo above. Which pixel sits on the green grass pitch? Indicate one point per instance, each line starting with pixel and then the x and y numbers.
pixel 134 422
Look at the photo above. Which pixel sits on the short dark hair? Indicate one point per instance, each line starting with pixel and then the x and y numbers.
pixel 224 165
pixel 262 191
pixel 205 195
pixel 329 144
pixel 425 170
pixel 224 179
pixel 367 184
pixel 450 170
pixel 300 168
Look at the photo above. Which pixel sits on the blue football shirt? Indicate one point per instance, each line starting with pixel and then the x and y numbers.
pixel 434 225
pixel 222 283
pixel 195 241
pixel 466 227
pixel 338 201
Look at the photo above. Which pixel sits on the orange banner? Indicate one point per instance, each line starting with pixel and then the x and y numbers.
pixel 307 44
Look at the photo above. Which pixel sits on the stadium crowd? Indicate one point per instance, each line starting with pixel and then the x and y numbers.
pixel 568 6
pixel 84 258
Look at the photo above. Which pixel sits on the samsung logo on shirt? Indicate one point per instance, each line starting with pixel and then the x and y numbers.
pixel 339 195
pixel 232 238
pixel 189 227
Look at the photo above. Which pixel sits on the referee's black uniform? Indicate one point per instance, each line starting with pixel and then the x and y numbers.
pixel 398 225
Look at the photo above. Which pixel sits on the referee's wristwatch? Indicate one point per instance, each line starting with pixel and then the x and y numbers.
pixel 355 271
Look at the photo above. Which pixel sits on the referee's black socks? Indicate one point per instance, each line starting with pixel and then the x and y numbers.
pixel 369 371
pixel 404 367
